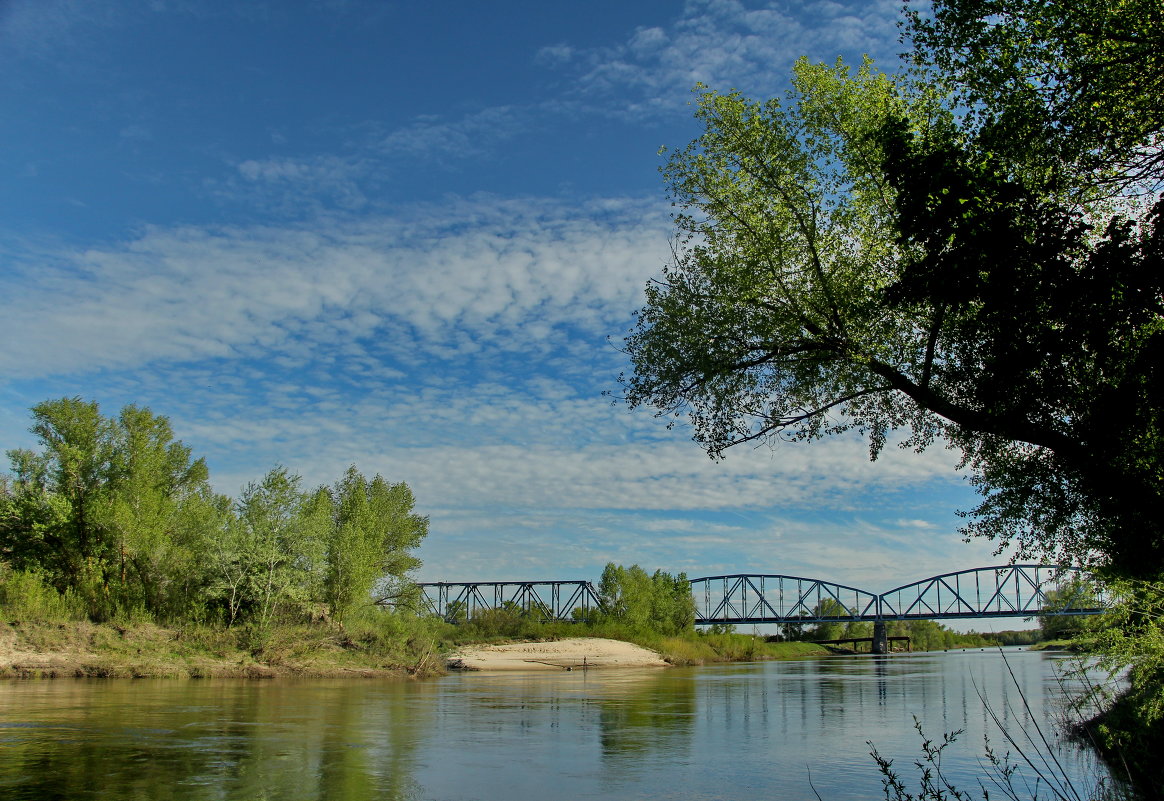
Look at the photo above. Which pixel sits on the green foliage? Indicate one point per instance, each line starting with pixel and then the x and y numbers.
pixel 1130 642
pixel 1072 594
pixel 1052 295
pixel 27 596
pixel 1046 328
pixel 457 612
pixel 372 533
pixel 769 319
pixel 118 519
pixel 862 258
pixel 276 544
pixel 929 635
pixel 1069 85
pixel 830 607
pixel 106 509
pixel 1057 295
pixel 659 603
pixel 1013 637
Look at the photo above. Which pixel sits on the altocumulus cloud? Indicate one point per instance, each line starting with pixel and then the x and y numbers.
pixel 726 44
pixel 487 268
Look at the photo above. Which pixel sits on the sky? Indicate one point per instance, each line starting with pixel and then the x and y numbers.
pixel 409 236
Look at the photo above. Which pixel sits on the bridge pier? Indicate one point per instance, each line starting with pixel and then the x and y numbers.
pixel 880 637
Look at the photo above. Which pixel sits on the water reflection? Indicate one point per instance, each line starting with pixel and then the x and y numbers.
pixel 728 731
pixel 655 715
pixel 210 740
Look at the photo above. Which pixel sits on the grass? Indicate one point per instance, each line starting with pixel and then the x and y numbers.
pixel 38 639
pixel 137 650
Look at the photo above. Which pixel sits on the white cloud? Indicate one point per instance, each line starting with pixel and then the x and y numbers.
pixel 463 137
pixel 442 279
pixel 459 346
pixel 298 187
pixel 728 44
pixel 554 55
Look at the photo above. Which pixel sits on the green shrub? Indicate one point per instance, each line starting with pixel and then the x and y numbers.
pixel 26 596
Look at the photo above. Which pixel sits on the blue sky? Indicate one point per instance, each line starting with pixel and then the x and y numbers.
pixel 402 236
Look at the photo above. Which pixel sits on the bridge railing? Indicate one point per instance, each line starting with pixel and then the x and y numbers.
pixel 543 600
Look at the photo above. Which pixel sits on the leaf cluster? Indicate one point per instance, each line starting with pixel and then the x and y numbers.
pixel 953 258
pixel 658 603
pixel 116 516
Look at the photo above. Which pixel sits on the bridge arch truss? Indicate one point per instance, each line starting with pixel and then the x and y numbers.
pixel 984 592
pixel 1003 591
pixel 777 599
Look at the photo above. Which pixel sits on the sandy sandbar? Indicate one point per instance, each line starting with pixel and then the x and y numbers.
pixel 570 654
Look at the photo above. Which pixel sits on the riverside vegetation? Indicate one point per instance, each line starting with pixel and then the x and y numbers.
pixel 112 525
pixel 117 559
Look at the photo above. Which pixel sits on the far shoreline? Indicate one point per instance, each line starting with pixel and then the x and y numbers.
pixel 571 653
pixel 85 650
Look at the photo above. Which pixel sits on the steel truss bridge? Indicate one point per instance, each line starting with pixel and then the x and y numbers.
pixel 984 592
pixel 546 600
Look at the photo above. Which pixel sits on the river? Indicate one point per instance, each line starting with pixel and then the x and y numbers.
pixel 775 730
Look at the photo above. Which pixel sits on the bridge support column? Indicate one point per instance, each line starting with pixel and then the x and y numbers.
pixel 880 637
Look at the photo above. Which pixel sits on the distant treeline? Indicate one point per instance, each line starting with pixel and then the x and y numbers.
pixel 924 635
pixel 113 517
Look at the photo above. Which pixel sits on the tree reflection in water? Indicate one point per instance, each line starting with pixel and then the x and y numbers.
pixel 734 731
pixel 209 739
pixel 656 715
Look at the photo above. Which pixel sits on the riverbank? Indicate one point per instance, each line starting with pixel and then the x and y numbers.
pixel 145 650
pixel 1057 645
pixel 600 652
pixel 80 649
pixel 581 653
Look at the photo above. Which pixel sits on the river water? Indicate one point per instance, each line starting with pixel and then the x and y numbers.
pixel 775 730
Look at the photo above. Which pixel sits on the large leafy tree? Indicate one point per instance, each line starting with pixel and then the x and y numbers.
pixel 273 549
pixel 657 602
pixel 862 257
pixel 1036 227
pixel 119 513
pixel 769 317
pixel 156 510
pixel 111 508
pixel 370 539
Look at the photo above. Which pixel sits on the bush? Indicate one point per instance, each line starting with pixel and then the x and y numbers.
pixel 1130 732
pixel 26 596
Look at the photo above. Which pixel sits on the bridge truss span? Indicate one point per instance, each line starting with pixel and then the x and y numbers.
pixel 544 600
pixel 983 592
pixel 1001 591
pixel 778 599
